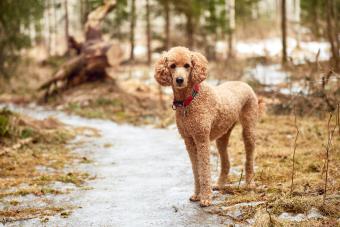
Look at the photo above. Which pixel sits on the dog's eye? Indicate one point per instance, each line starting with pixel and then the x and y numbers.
pixel 173 66
pixel 187 66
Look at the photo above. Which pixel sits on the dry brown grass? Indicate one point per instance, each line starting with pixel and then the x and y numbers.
pixel 275 142
pixel 138 106
pixel 28 213
pixel 32 157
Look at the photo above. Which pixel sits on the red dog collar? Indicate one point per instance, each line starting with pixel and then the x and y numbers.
pixel 188 100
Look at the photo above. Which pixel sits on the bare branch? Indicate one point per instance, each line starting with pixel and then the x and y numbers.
pixel 329 146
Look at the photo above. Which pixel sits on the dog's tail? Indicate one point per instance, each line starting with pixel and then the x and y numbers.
pixel 262 107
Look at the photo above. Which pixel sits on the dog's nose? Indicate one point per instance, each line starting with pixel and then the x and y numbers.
pixel 179 80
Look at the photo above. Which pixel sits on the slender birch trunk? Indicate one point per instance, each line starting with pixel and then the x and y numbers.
pixel 190 31
pixel 230 8
pixel 167 24
pixel 132 29
pixel 332 34
pixel 148 31
pixel 67 35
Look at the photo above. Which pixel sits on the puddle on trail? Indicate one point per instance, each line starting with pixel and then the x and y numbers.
pixel 143 179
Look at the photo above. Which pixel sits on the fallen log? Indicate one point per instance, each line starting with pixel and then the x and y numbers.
pixel 91 60
pixel 69 68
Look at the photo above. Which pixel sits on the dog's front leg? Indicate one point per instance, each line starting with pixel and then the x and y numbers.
pixel 203 165
pixel 191 148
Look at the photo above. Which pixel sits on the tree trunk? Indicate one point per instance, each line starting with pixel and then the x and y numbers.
pixel 48 18
pixel 81 11
pixel 86 10
pixel 297 21
pixel 94 19
pixel 67 35
pixel 148 31
pixel 231 16
pixel 132 29
pixel 190 32
pixel 167 25
pixel 332 34
pixel 315 14
pixel 284 31
pixel 336 24
pixel 55 24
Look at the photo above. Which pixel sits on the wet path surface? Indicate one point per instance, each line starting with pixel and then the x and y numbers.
pixel 143 179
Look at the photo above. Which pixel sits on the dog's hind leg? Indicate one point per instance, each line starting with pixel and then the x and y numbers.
pixel 248 121
pixel 191 148
pixel 222 146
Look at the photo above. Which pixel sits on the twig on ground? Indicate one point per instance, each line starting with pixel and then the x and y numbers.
pixel 239 181
pixel 271 223
pixel 294 151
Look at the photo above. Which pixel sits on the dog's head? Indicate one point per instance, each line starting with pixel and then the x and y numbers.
pixel 180 68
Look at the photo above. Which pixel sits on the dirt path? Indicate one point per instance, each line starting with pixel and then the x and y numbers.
pixel 143 179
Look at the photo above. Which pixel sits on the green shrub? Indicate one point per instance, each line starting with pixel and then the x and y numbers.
pixel 5 115
pixel 4 124
pixel 26 133
pixel 106 102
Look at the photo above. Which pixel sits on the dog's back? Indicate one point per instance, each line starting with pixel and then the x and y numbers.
pixel 236 94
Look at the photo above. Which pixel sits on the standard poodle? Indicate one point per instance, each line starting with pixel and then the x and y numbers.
pixel 205 113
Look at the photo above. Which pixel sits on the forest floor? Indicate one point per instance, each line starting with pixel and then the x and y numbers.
pixel 274 153
pixel 160 189
pixel 60 181
pixel 33 161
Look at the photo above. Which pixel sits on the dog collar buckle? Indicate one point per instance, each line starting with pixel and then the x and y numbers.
pixel 174 107
pixel 187 101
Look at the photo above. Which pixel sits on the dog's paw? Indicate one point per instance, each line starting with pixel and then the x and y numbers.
pixel 221 183
pixel 218 187
pixel 250 185
pixel 195 198
pixel 205 202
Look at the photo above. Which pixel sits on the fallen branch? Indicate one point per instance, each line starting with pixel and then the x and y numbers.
pixel 271 222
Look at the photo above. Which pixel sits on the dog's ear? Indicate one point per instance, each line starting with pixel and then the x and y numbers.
pixel 199 67
pixel 162 73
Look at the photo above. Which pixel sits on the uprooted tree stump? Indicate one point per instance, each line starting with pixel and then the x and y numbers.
pixel 93 56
